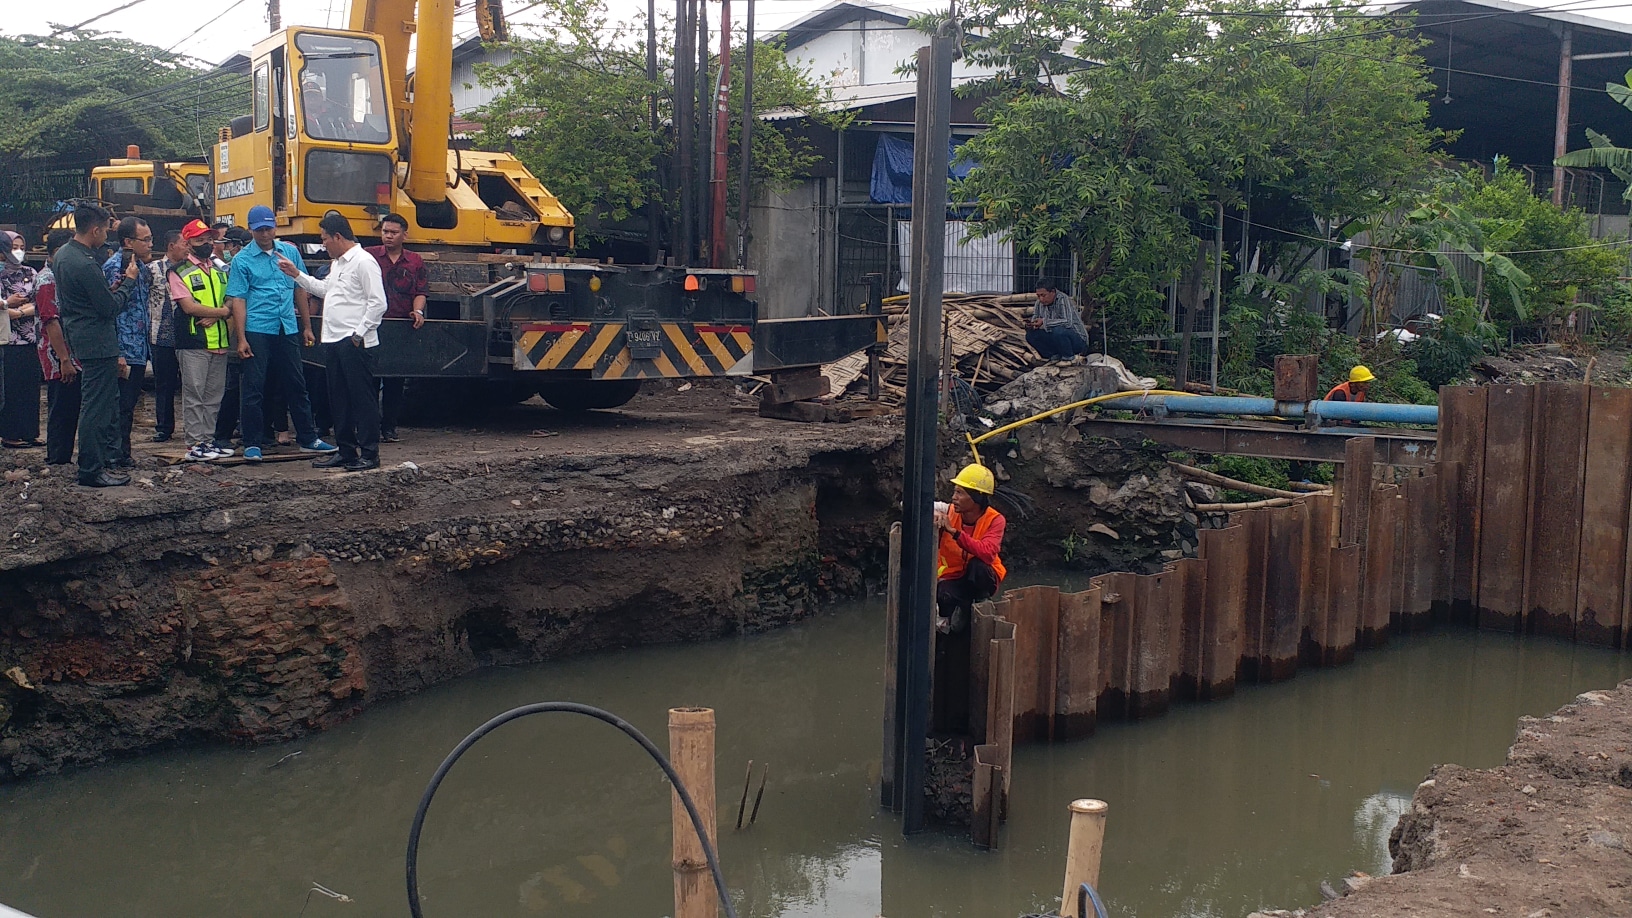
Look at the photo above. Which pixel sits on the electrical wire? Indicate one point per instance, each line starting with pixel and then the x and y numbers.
pixel 1614 243
pixel 75 28
pixel 564 707
pixel 218 17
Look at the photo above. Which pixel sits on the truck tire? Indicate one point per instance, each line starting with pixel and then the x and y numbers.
pixel 589 394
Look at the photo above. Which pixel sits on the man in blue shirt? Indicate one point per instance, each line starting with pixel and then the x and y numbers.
pixel 271 317
pixel 135 245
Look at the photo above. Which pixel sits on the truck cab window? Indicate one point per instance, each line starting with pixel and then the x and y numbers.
pixel 341 95
pixel 263 102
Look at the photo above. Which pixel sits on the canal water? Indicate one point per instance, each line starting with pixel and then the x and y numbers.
pixel 1215 809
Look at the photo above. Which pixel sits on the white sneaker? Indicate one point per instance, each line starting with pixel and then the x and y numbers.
pixel 203 452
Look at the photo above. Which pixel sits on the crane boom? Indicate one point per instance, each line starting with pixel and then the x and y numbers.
pixel 425 121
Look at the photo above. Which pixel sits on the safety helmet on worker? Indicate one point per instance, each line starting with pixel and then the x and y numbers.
pixel 1360 374
pixel 976 477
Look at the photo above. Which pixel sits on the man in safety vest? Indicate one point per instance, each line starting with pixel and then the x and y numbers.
pixel 968 570
pixel 203 340
pixel 1355 389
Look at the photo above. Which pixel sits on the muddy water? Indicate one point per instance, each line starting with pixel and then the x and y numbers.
pixel 1215 809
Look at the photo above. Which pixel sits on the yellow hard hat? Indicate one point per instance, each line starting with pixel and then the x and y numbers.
pixel 975 478
pixel 1360 374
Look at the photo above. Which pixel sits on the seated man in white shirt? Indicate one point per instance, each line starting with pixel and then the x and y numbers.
pixel 353 305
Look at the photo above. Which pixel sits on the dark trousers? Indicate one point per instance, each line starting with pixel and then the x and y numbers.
pixel 226 421
pixel 98 415
pixel 353 400
pixel 20 392
pixel 1056 343
pixel 955 601
pixel 61 419
pixel 166 386
pixel 390 402
pixel 130 392
pixel 277 357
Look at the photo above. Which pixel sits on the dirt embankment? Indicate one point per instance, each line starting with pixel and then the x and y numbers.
pixel 256 603
pixel 1547 835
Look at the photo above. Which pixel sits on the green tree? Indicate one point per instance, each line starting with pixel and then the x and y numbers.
pixel 1315 113
pixel 574 107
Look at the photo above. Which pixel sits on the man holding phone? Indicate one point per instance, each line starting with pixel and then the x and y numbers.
pixel 90 310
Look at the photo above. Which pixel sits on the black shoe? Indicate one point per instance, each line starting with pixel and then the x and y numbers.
pixel 332 461
pixel 361 465
pixel 105 480
pixel 161 437
pixel 123 462
pixel 389 436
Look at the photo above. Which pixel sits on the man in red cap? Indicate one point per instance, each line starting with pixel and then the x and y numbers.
pixel 202 339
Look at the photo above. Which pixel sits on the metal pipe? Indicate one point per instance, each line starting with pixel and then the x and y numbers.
pixel 691 750
pixel 1083 850
pixel 746 152
pixel 722 127
pixel 1380 412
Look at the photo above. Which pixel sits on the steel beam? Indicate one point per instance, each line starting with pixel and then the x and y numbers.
pixel 1394 447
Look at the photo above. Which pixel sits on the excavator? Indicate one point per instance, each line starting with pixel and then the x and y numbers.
pixel 338 122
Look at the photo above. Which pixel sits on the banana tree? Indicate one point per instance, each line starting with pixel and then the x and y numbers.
pixel 1603 154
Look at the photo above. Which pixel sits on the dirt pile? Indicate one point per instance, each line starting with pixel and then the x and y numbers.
pixel 1546 835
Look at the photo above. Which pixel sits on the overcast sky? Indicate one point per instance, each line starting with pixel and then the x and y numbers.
pixel 237 24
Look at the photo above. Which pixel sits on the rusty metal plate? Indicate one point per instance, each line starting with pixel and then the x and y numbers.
pixel 1283 593
pixel 1462 440
pixel 1225 552
pixel 1316 611
pixel 1034 611
pixel 1256 526
pixel 1601 584
pixel 1395 446
pixel 1115 642
pixel 1192 610
pixel 1420 554
pixel 1358 459
pixel 1150 676
pixel 1504 507
pixel 1377 595
pixel 1343 604
pixel 1555 523
pixel 1076 703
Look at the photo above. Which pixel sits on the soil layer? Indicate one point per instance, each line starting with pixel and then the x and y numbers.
pixel 1546 835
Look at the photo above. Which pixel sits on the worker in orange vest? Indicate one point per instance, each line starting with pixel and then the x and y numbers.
pixel 1355 389
pixel 969 568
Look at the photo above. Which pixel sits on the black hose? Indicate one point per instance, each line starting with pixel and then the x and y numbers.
pixel 568 707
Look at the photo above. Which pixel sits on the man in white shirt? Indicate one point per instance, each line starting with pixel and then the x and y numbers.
pixel 353 305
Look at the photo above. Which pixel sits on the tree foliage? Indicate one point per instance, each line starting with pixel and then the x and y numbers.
pixel 574 107
pixel 1603 153
pixel 1317 112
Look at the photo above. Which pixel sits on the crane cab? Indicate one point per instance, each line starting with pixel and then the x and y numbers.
pixel 319 136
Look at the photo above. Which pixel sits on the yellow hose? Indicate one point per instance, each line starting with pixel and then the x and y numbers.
pixel 975 441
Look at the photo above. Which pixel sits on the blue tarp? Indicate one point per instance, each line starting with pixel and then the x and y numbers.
pixel 892 169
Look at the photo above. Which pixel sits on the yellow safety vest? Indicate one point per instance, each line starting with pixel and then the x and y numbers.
pixel 209 288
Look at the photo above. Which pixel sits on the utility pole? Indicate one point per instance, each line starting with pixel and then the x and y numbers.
pixel 654 212
pixel 684 71
pixel 274 14
pixel 722 137
pixel 747 146
pixel 915 632
pixel 703 109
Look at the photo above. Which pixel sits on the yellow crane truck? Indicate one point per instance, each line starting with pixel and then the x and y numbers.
pixel 338 122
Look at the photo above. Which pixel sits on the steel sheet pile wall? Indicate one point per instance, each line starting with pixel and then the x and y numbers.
pixel 1540 544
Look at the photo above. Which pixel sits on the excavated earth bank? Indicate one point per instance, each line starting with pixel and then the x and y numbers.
pixel 1546 835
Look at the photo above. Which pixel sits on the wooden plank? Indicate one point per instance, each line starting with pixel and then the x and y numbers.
pixel 1555 525
pixel 1462 440
pixel 1316 611
pixel 1283 593
pixel 1343 603
pixel 1504 508
pixel 1150 676
pixel 1359 456
pixel 1420 556
pixel 1377 596
pixel 1187 661
pixel 1077 695
pixel 1601 583
pixel 1224 551
pixel 1255 525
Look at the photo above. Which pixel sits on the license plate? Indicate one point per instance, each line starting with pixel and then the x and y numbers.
pixel 644 343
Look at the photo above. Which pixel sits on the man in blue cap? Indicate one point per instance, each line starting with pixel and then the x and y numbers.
pixel 272 318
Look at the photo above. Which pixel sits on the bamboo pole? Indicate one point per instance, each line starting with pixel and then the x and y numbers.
pixel 1082 853
pixel 1213 478
pixel 691 751
pixel 1246 505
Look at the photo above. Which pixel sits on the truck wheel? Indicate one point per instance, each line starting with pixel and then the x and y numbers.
pixel 589 394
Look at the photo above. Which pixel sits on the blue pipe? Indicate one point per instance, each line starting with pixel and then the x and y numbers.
pixel 1381 412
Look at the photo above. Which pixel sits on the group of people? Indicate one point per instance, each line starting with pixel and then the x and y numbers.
pixel 221 315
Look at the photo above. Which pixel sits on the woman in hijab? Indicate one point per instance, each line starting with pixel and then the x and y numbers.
pixel 19 358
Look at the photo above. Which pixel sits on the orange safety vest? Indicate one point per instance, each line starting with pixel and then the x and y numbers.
pixel 953 559
pixel 1348 394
